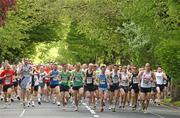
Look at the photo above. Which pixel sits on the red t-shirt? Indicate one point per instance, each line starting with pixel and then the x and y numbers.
pixel 8 80
pixel 47 70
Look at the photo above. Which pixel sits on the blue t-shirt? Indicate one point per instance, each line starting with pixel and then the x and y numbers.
pixel 54 77
pixel 102 81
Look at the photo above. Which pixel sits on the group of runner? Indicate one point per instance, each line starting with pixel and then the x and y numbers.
pixel 114 86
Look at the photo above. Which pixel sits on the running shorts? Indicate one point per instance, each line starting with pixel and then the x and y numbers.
pixel 161 87
pixel 145 90
pixel 64 88
pixel 135 87
pixel 6 87
pixel 125 88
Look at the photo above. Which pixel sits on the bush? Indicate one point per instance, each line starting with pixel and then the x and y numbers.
pixel 168 55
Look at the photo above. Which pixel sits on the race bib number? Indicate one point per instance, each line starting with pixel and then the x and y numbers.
pixel 77 79
pixel 41 80
pixel 36 82
pixel 26 74
pixel 35 77
pixel 115 79
pixel 102 81
pixel 135 80
pixel 55 78
pixel 159 78
pixel 89 80
pixel 64 80
pixel 7 81
pixel 145 81
pixel 46 78
pixel 125 81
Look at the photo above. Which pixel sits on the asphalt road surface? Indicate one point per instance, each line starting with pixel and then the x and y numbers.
pixel 49 110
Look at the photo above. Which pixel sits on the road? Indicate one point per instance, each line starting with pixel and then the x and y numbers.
pixel 49 110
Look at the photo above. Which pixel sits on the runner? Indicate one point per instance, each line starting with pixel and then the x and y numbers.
pixel 7 77
pixel 96 85
pixel 103 86
pixel 134 88
pixel 124 86
pixel 168 85
pixel 129 71
pixel 114 87
pixel 1 82
pixel 35 86
pixel 108 72
pixel 160 78
pixel 77 78
pixel 25 84
pixel 54 84
pixel 64 85
pixel 84 70
pixel 16 82
pixel 153 91
pixel 47 88
pixel 42 76
pixel 146 77
pixel 89 82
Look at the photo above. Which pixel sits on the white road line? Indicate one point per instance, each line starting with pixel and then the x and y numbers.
pixel 91 110
pixel 157 115
pixel 22 113
pixel 96 116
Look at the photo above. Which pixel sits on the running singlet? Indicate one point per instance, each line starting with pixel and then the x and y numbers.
pixel 54 79
pixel 42 77
pixel 124 79
pixel 8 80
pixel 65 76
pixel 102 81
pixel 26 71
pixel 146 80
pixel 47 71
pixel 115 78
pixel 78 79
pixel 89 78
pixel 134 78
pixel 159 78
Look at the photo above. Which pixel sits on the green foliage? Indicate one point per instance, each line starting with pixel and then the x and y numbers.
pixel 99 31
pixel 168 54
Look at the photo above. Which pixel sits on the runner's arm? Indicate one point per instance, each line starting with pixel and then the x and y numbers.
pixel 153 78
pixel 139 77
pixel 110 78
pixel 2 75
pixel 72 76
pixel 94 77
pixel 164 76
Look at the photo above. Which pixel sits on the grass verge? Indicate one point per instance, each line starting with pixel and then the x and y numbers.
pixel 169 101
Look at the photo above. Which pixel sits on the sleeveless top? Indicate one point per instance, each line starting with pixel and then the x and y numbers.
pixel 159 78
pixel 65 76
pixel 124 79
pixel 146 80
pixel 134 78
pixel 115 78
pixel 89 78
pixel 78 78
pixel 26 71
